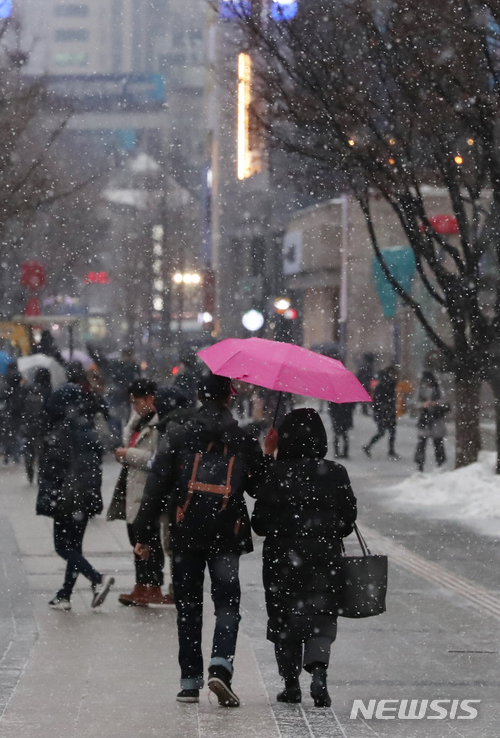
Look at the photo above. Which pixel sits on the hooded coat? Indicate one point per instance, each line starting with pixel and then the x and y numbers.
pixel 163 491
pixel 305 506
pixel 73 488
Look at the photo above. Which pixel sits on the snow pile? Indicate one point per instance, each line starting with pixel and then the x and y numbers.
pixel 471 493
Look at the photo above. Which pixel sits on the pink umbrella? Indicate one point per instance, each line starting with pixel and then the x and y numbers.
pixel 284 367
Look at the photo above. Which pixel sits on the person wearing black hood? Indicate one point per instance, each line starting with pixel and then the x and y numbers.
pixel 69 481
pixel 206 530
pixel 305 507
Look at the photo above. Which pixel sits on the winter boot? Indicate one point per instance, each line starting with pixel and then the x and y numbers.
pixel 138 596
pixel 154 596
pixel 291 693
pixel 319 691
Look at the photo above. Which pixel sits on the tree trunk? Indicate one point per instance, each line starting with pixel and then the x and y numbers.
pixel 495 386
pixel 468 434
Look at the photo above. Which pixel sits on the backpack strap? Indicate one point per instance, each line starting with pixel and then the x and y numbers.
pixel 194 486
pixel 211 445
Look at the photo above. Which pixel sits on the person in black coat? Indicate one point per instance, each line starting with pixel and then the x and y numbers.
pixel 35 419
pixel 200 539
pixel 384 411
pixel 341 415
pixel 305 506
pixel 14 396
pixel 69 482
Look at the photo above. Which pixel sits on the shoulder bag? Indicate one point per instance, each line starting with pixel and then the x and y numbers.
pixel 364 583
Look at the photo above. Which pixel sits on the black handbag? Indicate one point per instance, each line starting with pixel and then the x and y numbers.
pixel 364 583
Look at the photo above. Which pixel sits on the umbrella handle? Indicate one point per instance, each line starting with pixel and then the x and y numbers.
pixel 277 408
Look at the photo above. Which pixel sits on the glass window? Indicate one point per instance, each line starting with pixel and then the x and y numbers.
pixel 72 34
pixel 72 10
pixel 70 60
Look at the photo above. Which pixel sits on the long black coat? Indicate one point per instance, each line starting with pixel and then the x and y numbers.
pixel 384 402
pixel 305 506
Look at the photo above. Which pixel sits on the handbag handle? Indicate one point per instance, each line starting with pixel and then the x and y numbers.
pixel 364 546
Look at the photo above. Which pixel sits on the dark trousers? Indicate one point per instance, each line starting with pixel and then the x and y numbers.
pixel 150 571
pixel 291 655
pixel 68 539
pixel 188 570
pixel 438 451
pixel 381 430
pixel 337 437
pixel 32 453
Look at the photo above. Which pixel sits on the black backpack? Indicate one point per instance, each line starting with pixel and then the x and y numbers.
pixel 210 501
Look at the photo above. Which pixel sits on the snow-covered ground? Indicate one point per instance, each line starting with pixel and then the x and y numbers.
pixel 470 495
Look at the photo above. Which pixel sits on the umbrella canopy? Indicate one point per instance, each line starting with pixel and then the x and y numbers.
pixel 85 360
pixel 28 365
pixel 284 367
pixel 5 360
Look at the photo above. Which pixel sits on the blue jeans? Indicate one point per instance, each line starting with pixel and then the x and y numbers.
pixel 188 570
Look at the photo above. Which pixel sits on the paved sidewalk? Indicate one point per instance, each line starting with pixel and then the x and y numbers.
pixel 114 673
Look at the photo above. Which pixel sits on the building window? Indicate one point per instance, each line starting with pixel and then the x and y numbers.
pixel 72 34
pixel 71 10
pixel 71 60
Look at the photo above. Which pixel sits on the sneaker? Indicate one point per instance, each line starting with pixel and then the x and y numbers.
pixel 188 695
pixel 101 590
pixel 219 682
pixel 394 456
pixel 60 603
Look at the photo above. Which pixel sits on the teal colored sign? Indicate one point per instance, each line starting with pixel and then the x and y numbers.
pixel 400 261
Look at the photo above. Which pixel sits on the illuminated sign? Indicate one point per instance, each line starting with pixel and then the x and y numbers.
pixel 250 142
pixel 282 10
pixel 5 8
pixel 244 100
pixel 234 9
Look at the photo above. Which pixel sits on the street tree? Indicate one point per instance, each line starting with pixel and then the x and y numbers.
pixel 35 172
pixel 395 97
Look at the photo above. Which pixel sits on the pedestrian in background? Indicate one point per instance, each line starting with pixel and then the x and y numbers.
pixel 35 419
pixel 140 439
pixel 365 374
pixel 341 415
pixel 13 395
pixel 69 484
pixel 305 506
pixel 384 411
pixel 431 420
pixel 207 530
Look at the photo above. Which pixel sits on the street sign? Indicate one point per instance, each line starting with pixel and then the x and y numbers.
pixel 292 252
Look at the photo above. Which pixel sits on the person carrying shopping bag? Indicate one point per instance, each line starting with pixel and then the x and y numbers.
pixel 305 507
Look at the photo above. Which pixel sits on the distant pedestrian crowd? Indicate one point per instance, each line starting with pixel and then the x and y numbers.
pixel 185 467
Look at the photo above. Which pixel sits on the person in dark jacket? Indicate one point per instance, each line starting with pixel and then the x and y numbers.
pixel 198 540
pixel 341 415
pixel 14 396
pixel 305 506
pixel 70 481
pixel 35 419
pixel 384 411
pixel 430 420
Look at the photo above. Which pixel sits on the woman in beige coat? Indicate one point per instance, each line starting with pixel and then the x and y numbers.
pixel 140 439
